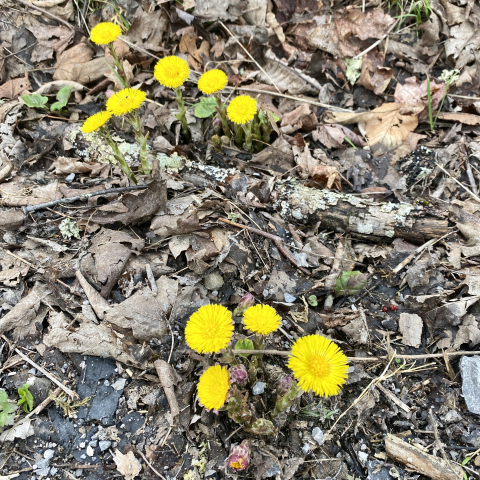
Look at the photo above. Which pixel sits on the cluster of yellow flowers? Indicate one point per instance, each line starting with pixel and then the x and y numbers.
pixel 317 363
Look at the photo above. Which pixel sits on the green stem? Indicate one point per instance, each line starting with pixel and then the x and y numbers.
pixel 105 134
pixel 120 71
pixel 248 136
pixel 266 130
pixel 134 120
pixel 181 116
pixel 257 135
pixel 222 113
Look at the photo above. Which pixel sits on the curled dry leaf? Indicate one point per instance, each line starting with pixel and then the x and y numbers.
pixel 302 118
pixel 65 166
pixel 334 135
pixel 466 118
pixel 374 75
pixel 385 127
pixel 49 40
pixel 127 465
pixel 147 29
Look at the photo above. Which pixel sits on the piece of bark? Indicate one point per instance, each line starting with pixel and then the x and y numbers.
pixel 416 459
pixel 11 219
pixel 362 216
pixel 411 325
pixel 166 374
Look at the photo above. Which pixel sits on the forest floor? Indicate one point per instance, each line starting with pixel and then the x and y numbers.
pixel 368 161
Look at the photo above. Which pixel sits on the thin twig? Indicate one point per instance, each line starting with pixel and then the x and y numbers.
pixel 283 353
pixel 303 100
pixel 248 53
pixel 150 465
pixel 290 258
pixel 58 19
pixel 67 390
pixel 461 184
pixel 85 196
pixel 136 47
pixel 275 238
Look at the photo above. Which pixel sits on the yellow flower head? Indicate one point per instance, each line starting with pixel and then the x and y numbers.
pixel 209 329
pixel 212 81
pixel 94 122
pixel 105 33
pixel 213 387
pixel 125 101
pixel 261 319
pixel 319 365
pixel 242 109
pixel 171 71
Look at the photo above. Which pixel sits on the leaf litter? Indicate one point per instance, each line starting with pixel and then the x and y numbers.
pixel 366 163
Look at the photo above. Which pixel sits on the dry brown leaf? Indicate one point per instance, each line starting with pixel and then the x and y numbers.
pixel 413 97
pixel 374 75
pixel 168 379
pixel 188 44
pixel 148 28
pixel 212 10
pixel 300 118
pixel 91 339
pixel 66 165
pixel 127 464
pixel 49 40
pixel 333 136
pixel 467 118
pixel 15 87
pixel 385 127
pixel 70 62
pixel 17 194
pixel 340 36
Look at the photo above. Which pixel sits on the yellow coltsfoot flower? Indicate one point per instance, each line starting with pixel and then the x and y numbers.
pixel 125 101
pixel 105 33
pixel 213 387
pixel 261 319
pixel 209 329
pixel 319 365
pixel 242 109
pixel 94 122
pixel 212 81
pixel 171 71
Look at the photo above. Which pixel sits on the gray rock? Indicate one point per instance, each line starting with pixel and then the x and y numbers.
pixel 470 370
pixel 289 298
pixel 306 448
pixel 472 438
pixel 104 445
pixel 452 416
pixel 317 435
pixel 258 388
pixel 376 471
pixel 272 471
pixel 213 281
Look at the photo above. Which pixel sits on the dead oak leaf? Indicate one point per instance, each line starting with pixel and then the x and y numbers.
pixel 14 87
pixel 49 40
pixel 385 127
pixel 467 118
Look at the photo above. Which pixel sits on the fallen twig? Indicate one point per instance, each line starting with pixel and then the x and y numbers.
pixel 277 240
pixel 283 353
pixel 476 197
pixel 85 196
pixel 67 390
pixel 150 465
pixel 47 13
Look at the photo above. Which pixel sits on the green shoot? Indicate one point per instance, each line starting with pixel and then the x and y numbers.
pixel 26 398
pixel 62 99
pixel 429 97
pixel 350 142
pixel 448 76
pixel 6 410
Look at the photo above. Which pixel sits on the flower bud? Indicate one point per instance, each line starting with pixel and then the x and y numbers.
pixel 217 124
pixel 262 427
pixel 350 283
pixel 109 93
pixel 245 302
pixel 239 458
pixel 284 384
pixel 238 374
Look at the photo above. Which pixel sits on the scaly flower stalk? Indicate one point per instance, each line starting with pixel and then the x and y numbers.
pixel 248 136
pixel 287 392
pixel 118 155
pixel 118 64
pixel 134 120
pixel 181 116
pixel 222 113
pixel 239 134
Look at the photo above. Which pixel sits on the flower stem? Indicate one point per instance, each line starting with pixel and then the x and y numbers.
pixel 222 113
pixel 105 134
pixel 120 71
pixel 182 113
pixel 134 120
pixel 248 136
pixel 257 135
pixel 238 135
